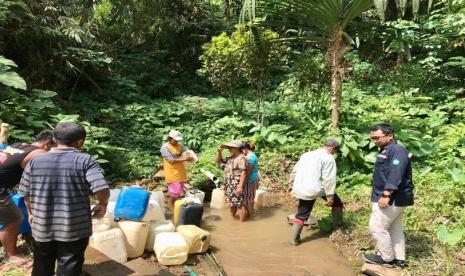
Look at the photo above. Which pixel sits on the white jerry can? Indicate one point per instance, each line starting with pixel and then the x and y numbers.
pixel 171 248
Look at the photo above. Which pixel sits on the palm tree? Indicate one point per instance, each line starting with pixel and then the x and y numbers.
pixel 321 21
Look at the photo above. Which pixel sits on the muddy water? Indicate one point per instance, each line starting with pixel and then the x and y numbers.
pixel 261 246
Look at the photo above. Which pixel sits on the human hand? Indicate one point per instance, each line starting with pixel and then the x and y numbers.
pixel 383 202
pixel 329 201
pixel 99 211
pixel 238 191
pixel 30 219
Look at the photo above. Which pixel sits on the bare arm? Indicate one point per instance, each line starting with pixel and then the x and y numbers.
pixel 31 155
pixel 249 170
pixel 179 160
pixel 170 158
pixel 219 156
pixel 101 207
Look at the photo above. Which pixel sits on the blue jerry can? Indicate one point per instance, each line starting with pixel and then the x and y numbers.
pixel 132 203
pixel 18 200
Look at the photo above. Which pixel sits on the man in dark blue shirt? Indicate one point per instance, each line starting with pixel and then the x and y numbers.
pixel 392 192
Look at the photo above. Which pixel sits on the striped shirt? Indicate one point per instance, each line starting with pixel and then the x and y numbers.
pixel 59 184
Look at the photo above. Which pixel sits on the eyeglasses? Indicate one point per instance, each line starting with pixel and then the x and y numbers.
pixel 377 138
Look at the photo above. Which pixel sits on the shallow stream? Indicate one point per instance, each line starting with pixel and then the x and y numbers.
pixel 262 246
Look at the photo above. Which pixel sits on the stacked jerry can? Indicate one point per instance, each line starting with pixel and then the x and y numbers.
pixel 142 226
pixel 135 210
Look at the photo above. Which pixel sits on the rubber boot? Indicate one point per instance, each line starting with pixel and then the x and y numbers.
pixel 337 218
pixel 296 230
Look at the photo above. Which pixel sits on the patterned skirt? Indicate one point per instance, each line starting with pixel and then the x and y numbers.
pixel 230 185
pixel 249 191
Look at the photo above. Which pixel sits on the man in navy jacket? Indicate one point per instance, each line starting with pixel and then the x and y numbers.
pixel 392 192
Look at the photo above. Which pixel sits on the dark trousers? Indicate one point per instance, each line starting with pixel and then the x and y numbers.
pixel 306 206
pixel 69 256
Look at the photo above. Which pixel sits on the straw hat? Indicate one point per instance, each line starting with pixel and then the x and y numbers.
pixel 233 144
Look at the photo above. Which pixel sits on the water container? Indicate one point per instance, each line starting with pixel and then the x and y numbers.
pixel 132 204
pixel 196 238
pixel 177 208
pixel 101 225
pixel 171 248
pixel 135 236
pixel 218 199
pixel 190 153
pixel 194 193
pixel 18 200
pixel 154 212
pixel 160 198
pixel 111 243
pixel 114 193
pixel 190 213
pixel 156 228
pixel 263 199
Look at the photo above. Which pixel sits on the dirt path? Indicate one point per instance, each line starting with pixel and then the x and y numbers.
pixel 261 247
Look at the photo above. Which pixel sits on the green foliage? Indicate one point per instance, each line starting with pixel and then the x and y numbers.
pixel 450 238
pixel 246 58
pixel 127 71
pixel 8 77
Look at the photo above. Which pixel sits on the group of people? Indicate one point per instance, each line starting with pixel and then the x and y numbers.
pixel 57 179
pixel 314 176
pixel 241 174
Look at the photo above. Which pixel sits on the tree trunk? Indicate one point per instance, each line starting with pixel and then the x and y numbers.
pixel 335 59
pixel 336 97
pixel 226 10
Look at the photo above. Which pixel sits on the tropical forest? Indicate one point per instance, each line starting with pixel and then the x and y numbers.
pixel 284 74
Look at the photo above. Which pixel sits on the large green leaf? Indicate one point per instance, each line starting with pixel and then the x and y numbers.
pixel 450 238
pixel 7 62
pixel 457 175
pixel 12 79
pixel 327 16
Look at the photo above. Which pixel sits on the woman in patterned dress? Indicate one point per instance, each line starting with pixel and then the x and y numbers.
pixel 235 177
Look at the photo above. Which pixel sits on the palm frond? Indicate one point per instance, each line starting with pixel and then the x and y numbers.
pixel 325 16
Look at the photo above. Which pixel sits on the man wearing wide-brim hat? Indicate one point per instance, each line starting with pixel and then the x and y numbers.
pixel 235 176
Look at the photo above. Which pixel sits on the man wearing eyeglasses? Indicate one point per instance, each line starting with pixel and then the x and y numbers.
pixel 392 192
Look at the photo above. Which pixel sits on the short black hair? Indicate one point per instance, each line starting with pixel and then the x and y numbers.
pixel 44 135
pixel 248 145
pixel 384 127
pixel 68 133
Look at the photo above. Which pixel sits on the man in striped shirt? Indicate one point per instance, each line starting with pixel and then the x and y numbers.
pixel 57 186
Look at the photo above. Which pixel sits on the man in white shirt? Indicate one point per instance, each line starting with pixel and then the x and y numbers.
pixel 315 177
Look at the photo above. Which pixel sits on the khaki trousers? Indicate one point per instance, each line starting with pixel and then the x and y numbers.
pixel 386 229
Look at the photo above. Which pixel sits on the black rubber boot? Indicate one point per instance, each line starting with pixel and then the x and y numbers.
pixel 337 219
pixel 296 229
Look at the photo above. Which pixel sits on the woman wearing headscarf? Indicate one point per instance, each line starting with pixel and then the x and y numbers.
pixel 235 177
pixel 253 176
